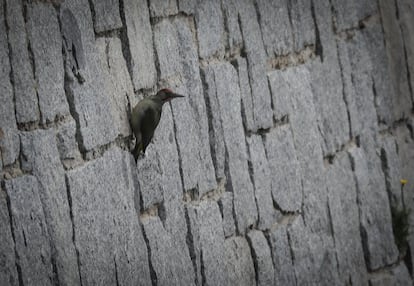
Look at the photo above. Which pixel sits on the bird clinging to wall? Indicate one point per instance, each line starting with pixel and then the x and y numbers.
pixel 146 116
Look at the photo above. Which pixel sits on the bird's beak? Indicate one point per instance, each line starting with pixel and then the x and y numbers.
pixel 175 95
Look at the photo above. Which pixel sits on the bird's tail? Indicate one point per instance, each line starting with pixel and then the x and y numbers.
pixel 137 150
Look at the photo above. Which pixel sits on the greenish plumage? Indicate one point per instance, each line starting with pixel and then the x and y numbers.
pixel 145 118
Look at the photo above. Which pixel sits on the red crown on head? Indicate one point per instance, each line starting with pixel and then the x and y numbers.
pixel 167 90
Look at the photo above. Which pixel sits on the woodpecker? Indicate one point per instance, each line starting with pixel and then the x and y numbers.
pixel 146 116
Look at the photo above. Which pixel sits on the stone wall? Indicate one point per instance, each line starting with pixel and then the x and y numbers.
pixel 280 167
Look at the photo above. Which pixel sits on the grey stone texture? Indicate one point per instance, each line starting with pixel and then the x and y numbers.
pixel 303 28
pixel 256 63
pixel 311 253
pixel 344 214
pixel 234 38
pixel 406 17
pixel 41 158
pixel 228 113
pixel 30 232
pixel 397 276
pixel 396 53
pixel 25 94
pixel 196 164
pixel 327 85
pixel 226 208
pixel 210 29
pixel 85 84
pixel 307 145
pixel 348 14
pixel 140 46
pixel 163 252
pixel 116 83
pixel 9 138
pixel 107 233
pixel 8 270
pixel 392 171
pixel 359 92
pixel 284 169
pixel 280 165
pixel 46 48
pixel 239 262
pixel 208 244
pixel 262 257
pixel 384 89
pixel 275 26
pixel 262 182
pixel 284 272
pixel 106 15
pixel 162 8
pixel 377 239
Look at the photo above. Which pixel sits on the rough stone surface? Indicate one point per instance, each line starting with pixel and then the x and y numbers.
pixel 256 61
pixel 26 102
pixel 8 270
pixel 377 239
pixel 405 145
pixel 208 244
pixel 306 141
pixel 231 13
pixel 279 166
pixel 41 158
pixel 344 214
pixel 406 16
pixel 397 58
pixel 116 82
pixel 327 86
pixel 66 143
pixel 360 97
pixel 106 15
pixel 9 138
pixel 140 46
pixel 275 26
pixel 187 6
pixel 163 251
pixel 303 28
pixel 109 239
pixel 398 276
pixel 262 182
pixel 246 94
pixel 384 91
pixel 236 165
pixel 30 233
pixel 282 256
pixel 239 262
pixel 392 171
pixel 226 208
pixel 196 174
pixel 310 254
pixel 284 168
pixel 216 136
pixel 149 177
pixel 84 82
pixel 191 74
pixel 262 257
pixel 162 8
pixel 210 28
pixel 46 45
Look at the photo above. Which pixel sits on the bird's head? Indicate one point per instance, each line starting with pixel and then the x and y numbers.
pixel 166 95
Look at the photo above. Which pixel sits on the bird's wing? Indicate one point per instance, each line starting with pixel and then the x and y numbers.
pixel 149 122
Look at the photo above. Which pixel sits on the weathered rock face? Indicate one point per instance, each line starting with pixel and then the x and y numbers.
pixel 283 165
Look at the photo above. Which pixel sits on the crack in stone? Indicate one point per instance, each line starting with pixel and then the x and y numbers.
pixel 153 274
pixel 318 43
pixel 69 196
pixel 17 260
